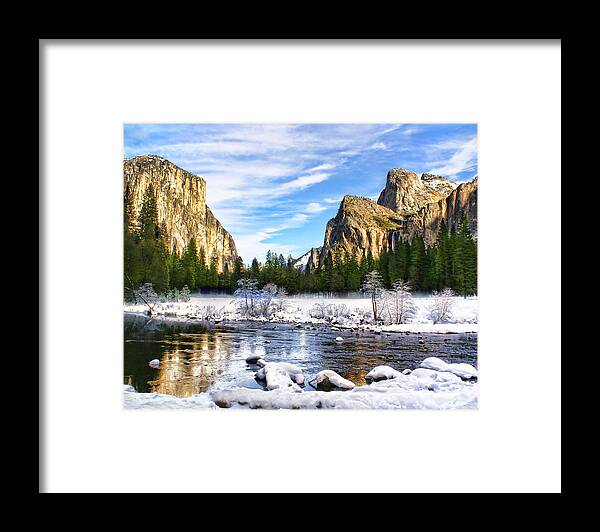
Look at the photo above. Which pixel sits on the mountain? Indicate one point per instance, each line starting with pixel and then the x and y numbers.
pixel 181 205
pixel 409 205
pixel 462 200
pixel 405 192
pixel 309 260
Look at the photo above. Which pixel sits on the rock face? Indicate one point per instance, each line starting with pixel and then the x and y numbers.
pixel 462 200
pixel 360 226
pixel 181 205
pixel 405 192
pixel 309 260
pixel 409 205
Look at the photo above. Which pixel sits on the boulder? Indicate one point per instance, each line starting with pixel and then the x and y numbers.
pixel 253 358
pixel 381 373
pixel 328 380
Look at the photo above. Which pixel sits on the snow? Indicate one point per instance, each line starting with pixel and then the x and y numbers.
pixel 435 385
pixel 423 388
pixel 380 373
pixel 465 371
pixel 134 400
pixel 351 311
pixel 281 375
pixel 329 379
pixel 339 339
pixel 154 363
pixel 301 262
pixel 432 328
pixel 382 395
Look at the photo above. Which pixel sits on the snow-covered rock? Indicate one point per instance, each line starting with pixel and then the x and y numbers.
pixel 380 373
pixel 281 376
pixel 154 363
pixel 261 362
pixel 423 388
pixel 437 380
pixel 328 380
pixel 463 370
pixel 253 358
pixel 339 339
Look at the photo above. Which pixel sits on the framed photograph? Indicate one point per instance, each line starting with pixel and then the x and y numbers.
pixel 280 250
pixel 360 285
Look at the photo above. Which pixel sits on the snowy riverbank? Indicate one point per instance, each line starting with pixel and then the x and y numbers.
pixel 342 312
pixel 450 386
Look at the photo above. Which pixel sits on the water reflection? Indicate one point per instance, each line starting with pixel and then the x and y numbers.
pixel 189 361
pixel 192 366
pixel 194 357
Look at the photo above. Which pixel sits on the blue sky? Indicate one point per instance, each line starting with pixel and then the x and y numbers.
pixel 275 186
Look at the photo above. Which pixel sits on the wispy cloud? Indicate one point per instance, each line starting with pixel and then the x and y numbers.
pixel 273 186
pixel 462 159
pixel 378 146
pixel 315 207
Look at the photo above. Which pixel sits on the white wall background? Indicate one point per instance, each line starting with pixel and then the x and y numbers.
pixel 511 444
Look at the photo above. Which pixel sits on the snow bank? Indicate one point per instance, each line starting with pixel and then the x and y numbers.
pixel 439 386
pixel 382 395
pixel 465 371
pixel 300 309
pixel 134 400
pixel 328 380
pixel 439 328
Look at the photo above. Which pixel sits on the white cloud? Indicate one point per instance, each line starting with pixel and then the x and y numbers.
pixel 463 159
pixel 378 146
pixel 253 245
pixel 250 168
pixel 299 183
pixel 321 167
pixel 315 207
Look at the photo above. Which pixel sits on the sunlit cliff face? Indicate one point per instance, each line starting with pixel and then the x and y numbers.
pixel 181 207
pixel 191 366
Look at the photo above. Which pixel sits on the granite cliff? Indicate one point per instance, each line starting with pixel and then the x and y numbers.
pixel 181 205
pixel 409 205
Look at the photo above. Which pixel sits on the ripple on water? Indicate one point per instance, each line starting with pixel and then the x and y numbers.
pixel 194 359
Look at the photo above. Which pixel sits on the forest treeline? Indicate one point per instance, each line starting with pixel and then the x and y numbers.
pixel 451 263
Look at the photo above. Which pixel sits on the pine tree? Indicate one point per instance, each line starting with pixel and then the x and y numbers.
pixel 201 270
pixel 148 217
pixel 213 272
pixel 384 267
pixel 131 268
pixel 237 273
pixel 176 270
pixel 255 269
pixel 190 265
pixel 352 273
pixel 466 260
pixel 415 267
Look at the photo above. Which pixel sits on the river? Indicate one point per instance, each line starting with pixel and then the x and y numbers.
pixel 195 357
